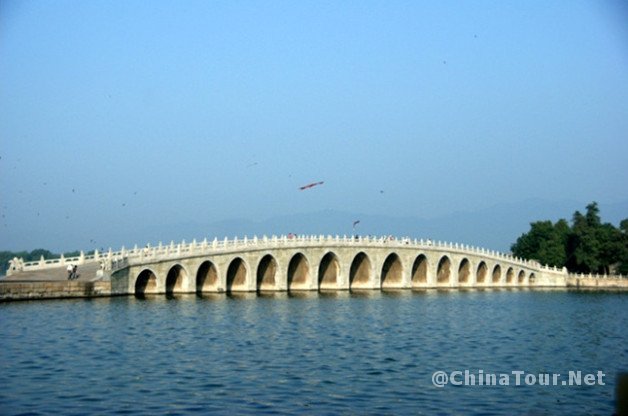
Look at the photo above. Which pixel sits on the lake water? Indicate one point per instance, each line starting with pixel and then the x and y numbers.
pixel 338 353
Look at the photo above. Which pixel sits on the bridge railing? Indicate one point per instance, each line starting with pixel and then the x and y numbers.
pixel 19 265
pixel 173 250
pixel 596 276
pixel 362 240
pixel 564 272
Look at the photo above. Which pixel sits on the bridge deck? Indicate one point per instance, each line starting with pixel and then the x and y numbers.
pixel 87 273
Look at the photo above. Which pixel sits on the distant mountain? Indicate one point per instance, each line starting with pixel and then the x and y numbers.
pixel 494 228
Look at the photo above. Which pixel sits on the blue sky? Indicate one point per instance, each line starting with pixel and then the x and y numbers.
pixel 128 115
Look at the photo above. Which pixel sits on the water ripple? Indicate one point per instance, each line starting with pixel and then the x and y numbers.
pixel 334 353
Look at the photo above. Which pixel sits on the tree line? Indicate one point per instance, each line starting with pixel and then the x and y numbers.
pixel 585 246
pixel 34 255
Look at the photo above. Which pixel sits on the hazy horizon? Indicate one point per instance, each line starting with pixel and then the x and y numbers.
pixel 493 228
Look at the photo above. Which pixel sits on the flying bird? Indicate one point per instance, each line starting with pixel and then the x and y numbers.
pixel 310 185
pixel 355 223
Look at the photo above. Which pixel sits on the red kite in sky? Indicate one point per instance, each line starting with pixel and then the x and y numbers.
pixel 310 185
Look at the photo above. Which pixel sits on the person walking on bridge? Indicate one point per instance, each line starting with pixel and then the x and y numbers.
pixel 75 275
pixel 70 270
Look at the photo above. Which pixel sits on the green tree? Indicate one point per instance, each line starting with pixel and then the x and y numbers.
pixel 593 215
pixel 544 242
pixel 593 246
pixel 612 246
pixel 623 254
pixel 38 253
pixel 583 247
pixel 588 246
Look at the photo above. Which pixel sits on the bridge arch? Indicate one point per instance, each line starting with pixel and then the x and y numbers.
pixel 146 283
pixel 360 272
pixel 206 277
pixel 510 275
pixel 464 271
pixel 298 273
pixel 392 271
pixel 420 269
pixel 531 279
pixel 497 274
pixel 237 275
pixel 443 271
pixel 176 280
pixel 266 271
pixel 481 273
pixel 329 271
pixel 522 277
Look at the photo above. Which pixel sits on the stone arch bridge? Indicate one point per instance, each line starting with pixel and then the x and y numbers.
pixel 300 263
pixel 294 263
